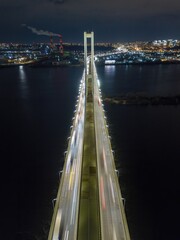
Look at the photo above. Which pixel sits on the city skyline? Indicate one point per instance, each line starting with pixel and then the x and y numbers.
pixel 112 21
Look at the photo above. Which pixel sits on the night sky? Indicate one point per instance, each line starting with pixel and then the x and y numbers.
pixel 111 20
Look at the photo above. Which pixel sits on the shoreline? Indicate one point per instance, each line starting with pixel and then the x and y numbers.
pixel 143 100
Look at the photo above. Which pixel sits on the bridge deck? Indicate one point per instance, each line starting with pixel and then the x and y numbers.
pixel 89 217
pixel 89 203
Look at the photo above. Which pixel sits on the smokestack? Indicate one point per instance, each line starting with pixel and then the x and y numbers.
pixel 47 33
pixel 61 46
pixel 51 43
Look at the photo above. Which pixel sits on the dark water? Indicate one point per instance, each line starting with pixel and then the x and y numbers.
pixel 36 107
pixel 151 80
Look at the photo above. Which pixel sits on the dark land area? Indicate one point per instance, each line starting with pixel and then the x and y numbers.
pixel 143 100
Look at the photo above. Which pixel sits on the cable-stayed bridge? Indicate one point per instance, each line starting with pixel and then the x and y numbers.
pixel 89 205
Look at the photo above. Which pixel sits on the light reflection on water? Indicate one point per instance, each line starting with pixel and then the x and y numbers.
pixel 110 70
pixel 23 82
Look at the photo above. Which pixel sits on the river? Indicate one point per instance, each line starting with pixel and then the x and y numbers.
pixel 36 106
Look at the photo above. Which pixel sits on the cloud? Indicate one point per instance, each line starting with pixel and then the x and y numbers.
pixel 71 17
pixel 57 1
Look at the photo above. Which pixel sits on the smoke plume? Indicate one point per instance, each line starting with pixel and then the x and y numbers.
pixel 41 32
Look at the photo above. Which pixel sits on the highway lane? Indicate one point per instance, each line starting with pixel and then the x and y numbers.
pixel 67 204
pixel 113 220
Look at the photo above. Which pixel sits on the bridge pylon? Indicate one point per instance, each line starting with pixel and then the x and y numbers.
pixel 86 37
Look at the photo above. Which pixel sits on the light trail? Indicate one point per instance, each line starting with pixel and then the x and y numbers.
pixel 64 223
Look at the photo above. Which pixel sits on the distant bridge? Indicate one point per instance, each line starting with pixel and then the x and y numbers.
pixel 89 205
